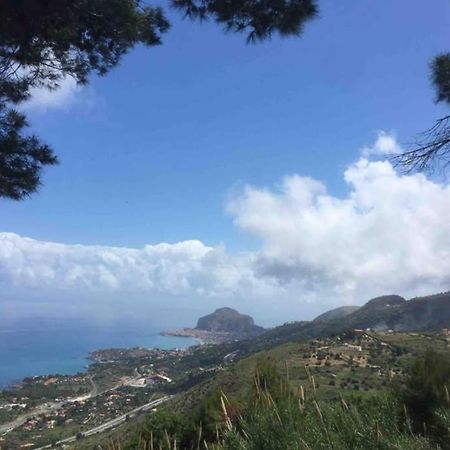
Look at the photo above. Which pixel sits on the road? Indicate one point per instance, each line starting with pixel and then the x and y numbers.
pixel 52 406
pixel 45 408
pixel 112 423
pixel 19 421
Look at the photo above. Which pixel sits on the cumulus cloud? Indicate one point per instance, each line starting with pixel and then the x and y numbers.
pixel 385 145
pixel 390 233
pixel 188 267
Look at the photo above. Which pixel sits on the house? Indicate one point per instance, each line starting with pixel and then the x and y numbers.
pixel 357 348
pixel 157 378
pixel 163 378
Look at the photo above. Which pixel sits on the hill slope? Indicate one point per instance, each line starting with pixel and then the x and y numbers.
pixel 382 313
pixel 423 313
pixel 337 313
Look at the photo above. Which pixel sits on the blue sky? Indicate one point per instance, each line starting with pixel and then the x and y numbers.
pixel 152 152
pixel 151 155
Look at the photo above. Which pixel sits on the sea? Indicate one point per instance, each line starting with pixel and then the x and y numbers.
pixel 62 346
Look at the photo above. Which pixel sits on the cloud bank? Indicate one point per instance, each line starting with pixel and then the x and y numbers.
pixel 188 267
pixel 390 233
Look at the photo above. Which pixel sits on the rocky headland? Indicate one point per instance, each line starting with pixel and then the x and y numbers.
pixel 223 325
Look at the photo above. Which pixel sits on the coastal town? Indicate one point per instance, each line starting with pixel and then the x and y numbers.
pixel 118 382
pixel 44 409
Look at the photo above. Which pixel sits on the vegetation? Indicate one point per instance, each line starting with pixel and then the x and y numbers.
pixel 293 423
pixel 272 415
pixel 41 389
pixel 258 19
pixel 433 146
pixel 382 313
pixel 327 362
pixel 21 157
pixel 321 393
pixel 426 398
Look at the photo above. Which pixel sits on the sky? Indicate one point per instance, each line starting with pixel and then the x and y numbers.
pixel 209 172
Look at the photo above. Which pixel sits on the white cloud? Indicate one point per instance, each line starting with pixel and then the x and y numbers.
pixel 188 267
pixel 43 99
pixel 385 145
pixel 390 233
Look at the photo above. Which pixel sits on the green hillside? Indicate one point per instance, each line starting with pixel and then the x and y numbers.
pixel 337 313
pixel 360 368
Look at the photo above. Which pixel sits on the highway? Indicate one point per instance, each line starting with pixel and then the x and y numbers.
pixel 111 423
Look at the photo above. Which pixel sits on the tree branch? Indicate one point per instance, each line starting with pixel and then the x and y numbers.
pixel 430 151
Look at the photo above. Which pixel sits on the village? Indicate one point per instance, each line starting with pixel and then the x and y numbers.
pixel 43 409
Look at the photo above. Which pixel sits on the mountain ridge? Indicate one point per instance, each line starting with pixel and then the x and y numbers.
pixel 387 312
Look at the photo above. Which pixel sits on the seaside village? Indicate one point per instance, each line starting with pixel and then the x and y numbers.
pixel 85 410
pixel 87 400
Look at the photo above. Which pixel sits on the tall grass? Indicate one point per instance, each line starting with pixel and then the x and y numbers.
pixel 291 423
pixel 273 416
pixel 280 418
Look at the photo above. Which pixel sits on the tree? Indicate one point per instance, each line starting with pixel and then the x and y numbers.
pixel 432 148
pixel 259 19
pixel 425 396
pixel 41 43
pixel 44 41
pixel 441 77
pixel 21 158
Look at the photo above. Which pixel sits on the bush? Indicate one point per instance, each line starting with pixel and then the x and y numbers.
pixel 425 396
pixel 284 425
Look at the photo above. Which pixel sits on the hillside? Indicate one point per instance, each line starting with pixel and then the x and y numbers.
pixel 394 312
pixel 332 361
pixel 381 313
pixel 337 313
pixel 353 367
pixel 341 360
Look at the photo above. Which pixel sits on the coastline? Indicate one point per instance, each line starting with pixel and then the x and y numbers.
pixel 205 337
pixel 79 364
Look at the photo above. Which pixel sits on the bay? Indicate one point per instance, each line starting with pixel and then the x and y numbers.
pixel 61 346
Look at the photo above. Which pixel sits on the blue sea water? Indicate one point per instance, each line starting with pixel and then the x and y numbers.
pixel 40 347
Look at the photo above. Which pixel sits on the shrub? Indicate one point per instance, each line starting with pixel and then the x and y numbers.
pixel 425 396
